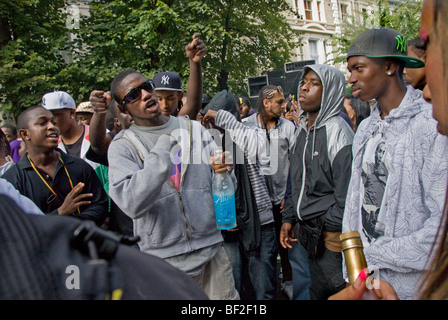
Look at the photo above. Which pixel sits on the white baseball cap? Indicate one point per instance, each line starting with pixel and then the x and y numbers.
pixel 58 100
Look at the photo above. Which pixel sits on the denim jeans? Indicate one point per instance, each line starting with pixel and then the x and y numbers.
pixel 284 260
pixel 298 258
pixel 262 269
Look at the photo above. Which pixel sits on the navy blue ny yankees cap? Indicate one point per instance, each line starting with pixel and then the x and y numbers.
pixel 167 80
pixel 383 43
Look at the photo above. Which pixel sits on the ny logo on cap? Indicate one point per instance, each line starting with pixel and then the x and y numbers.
pixel 165 80
pixel 401 43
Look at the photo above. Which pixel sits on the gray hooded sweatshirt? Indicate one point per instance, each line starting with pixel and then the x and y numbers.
pixel 412 204
pixel 170 222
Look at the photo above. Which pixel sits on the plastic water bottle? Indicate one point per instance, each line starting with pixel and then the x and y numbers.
pixel 223 192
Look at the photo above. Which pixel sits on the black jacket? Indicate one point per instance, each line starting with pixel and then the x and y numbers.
pixel 320 167
pixel 325 179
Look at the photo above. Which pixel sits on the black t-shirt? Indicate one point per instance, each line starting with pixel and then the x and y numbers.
pixel 75 149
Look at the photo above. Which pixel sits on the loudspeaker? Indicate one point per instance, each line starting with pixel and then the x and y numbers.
pixel 255 84
pixel 288 79
pixel 276 78
pixel 292 82
pixel 297 65
pixel 293 74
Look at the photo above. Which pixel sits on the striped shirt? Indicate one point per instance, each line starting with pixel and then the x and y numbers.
pixel 282 141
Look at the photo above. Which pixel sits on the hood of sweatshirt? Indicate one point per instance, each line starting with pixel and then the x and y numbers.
pixel 333 93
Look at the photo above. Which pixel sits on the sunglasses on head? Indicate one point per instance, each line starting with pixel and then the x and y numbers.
pixel 135 93
pixel 271 92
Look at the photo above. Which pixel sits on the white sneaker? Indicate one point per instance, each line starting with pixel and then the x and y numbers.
pixel 287 288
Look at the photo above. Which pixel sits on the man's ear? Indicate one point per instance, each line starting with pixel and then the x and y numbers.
pixel 181 103
pixel 72 113
pixel 23 133
pixel 391 67
pixel 266 103
pixel 117 123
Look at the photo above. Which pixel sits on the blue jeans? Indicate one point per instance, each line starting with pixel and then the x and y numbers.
pixel 298 258
pixel 262 269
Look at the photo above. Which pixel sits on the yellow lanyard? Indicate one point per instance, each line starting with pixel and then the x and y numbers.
pixel 45 181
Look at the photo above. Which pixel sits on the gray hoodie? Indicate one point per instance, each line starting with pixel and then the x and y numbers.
pixel 169 222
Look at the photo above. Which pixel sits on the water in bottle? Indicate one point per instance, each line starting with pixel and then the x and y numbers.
pixel 224 200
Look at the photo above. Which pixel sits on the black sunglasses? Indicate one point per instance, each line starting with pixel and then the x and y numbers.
pixel 135 93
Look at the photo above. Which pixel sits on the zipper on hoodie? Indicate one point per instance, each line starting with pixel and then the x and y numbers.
pixel 187 227
pixel 184 169
pixel 303 174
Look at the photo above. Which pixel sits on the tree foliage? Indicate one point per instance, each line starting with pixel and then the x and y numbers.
pixel 404 17
pixel 244 38
pixel 33 36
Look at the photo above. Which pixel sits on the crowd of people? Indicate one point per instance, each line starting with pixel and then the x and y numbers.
pixel 138 160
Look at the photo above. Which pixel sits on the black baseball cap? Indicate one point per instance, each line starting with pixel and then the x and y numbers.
pixel 383 43
pixel 205 99
pixel 167 80
pixel 223 100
